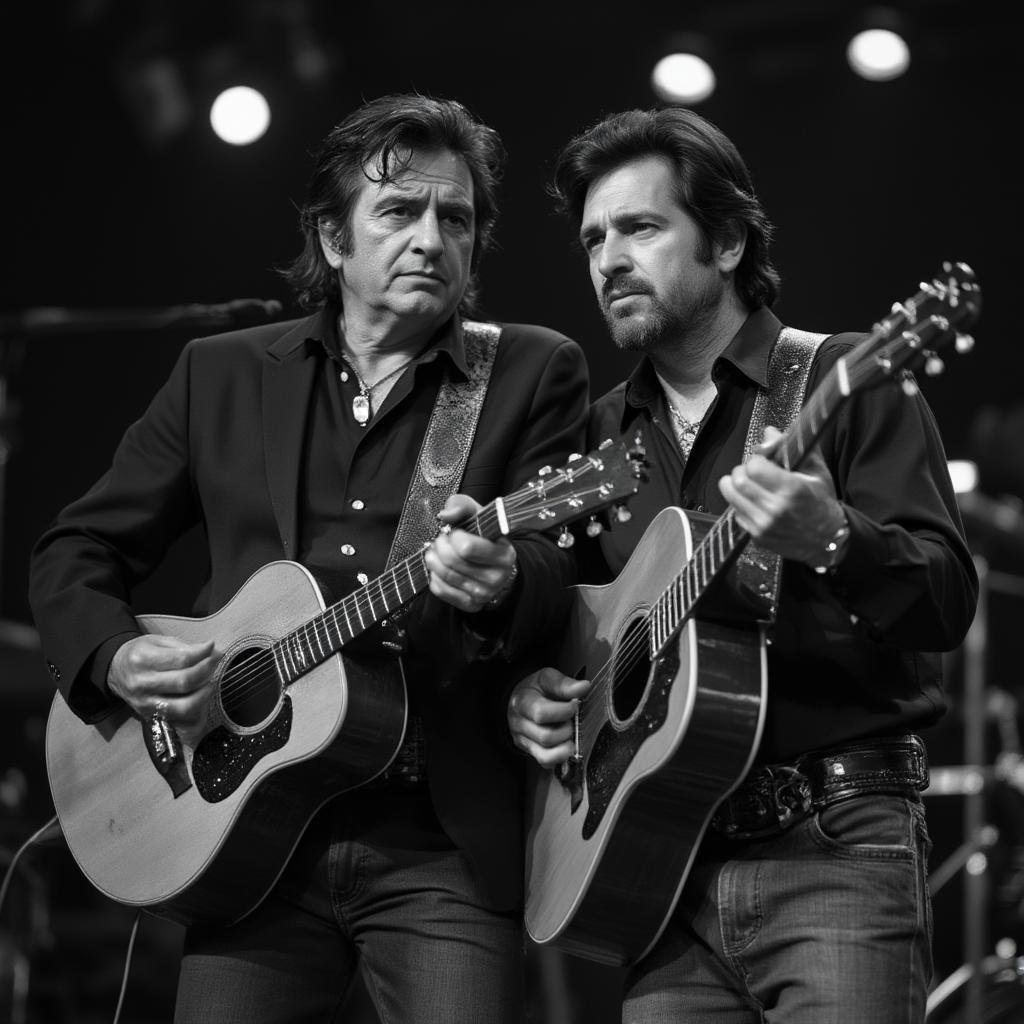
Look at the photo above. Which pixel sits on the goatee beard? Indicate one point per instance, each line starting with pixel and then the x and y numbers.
pixel 665 323
pixel 640 335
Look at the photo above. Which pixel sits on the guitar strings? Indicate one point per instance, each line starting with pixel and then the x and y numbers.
pixel 253 679
pixel 628 657
pixel 362 600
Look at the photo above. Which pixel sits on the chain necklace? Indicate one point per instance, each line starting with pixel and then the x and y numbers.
pixel 684 427
pixel 685 430
pixel 361 408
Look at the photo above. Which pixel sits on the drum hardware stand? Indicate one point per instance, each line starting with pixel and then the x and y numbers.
pixel 972 780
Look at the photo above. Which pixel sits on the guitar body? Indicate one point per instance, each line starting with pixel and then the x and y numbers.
pixel 611 841
pixel 248 786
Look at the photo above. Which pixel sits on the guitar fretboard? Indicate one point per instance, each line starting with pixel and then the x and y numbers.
pixel 315 641
pixel 585 484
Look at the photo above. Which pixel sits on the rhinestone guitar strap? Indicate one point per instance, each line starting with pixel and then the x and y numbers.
pixel 446 446
pixel 759 571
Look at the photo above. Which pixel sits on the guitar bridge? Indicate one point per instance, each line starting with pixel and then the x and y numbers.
pixel 165 753
pixel 570 775
pixel 570 772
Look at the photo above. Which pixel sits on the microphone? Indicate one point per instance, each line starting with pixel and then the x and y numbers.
pixel 56 320
pixel 237 311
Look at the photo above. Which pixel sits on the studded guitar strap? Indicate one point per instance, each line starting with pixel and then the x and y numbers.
pixel 778 405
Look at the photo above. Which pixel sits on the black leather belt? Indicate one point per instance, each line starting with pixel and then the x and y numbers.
pixel 775 797
pixel 409 766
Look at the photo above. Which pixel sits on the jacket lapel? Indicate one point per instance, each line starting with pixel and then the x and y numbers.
pixel 288 375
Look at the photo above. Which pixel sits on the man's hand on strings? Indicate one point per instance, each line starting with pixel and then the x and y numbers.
pixel 540 715
pixel 164 675
pixel 791 512
pixel 468 571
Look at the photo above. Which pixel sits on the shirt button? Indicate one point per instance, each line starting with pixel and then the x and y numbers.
pixel 363 578
pixel 347 549
pixel 358 504
pixel 344 376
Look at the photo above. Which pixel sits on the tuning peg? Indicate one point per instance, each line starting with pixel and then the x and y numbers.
pixel 566 539
pixel 575 457
pixel 622 514
pixel 545 471
pixel 964 343
pixel 606 443
pixel 594 527
pixel 908 384
pixel 933 365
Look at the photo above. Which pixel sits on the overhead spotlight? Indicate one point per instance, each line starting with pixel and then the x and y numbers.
pixel 879 50
pixel 684 75
pixel 240 115
pixel 683 78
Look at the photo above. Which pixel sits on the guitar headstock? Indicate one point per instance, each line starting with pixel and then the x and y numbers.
pixel 605 478
pixel 918 328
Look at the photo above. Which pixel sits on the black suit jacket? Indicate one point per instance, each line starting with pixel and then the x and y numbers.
pixel 220 446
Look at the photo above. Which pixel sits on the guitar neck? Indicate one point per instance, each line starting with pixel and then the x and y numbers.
pixel 327 633
pixel 726 538
pixel 586 484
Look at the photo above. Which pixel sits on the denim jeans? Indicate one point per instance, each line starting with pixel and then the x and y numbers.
pixel 375 885
pixel 827 923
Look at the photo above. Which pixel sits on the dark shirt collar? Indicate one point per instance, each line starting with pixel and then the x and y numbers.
pixel 447 341
pixel 748 352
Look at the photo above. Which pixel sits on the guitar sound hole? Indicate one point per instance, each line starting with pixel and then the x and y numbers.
pixel 631 669
pixel 249 689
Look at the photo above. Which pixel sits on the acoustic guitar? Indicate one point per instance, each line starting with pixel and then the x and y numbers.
pixel 200 832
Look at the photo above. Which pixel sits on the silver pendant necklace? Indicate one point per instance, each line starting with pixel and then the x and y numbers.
pixel 361 407
pixel 684 429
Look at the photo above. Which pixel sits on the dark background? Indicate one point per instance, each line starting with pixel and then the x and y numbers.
pixel 116 206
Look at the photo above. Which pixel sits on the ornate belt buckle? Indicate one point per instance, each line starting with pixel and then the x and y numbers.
pixel 791 795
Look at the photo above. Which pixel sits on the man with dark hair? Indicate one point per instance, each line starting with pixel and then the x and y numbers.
pixel 774 739
pixel 336 442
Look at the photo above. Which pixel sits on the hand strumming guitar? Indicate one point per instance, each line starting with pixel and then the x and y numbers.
pixel 540 715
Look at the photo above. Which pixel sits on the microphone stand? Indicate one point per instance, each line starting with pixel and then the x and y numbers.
pixel 53 321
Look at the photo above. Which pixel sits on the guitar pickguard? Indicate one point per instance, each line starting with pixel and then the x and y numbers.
pixel 614 749
pixel 223 758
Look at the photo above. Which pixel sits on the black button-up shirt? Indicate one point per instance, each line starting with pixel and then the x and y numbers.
pixel 355 478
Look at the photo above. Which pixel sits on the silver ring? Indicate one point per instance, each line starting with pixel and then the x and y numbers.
pixel 161 707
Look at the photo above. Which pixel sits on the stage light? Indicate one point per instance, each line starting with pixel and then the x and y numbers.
pixel 964 475
pixel 683 74
pixel 879 52
pixel 683 78
pixel 240 115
